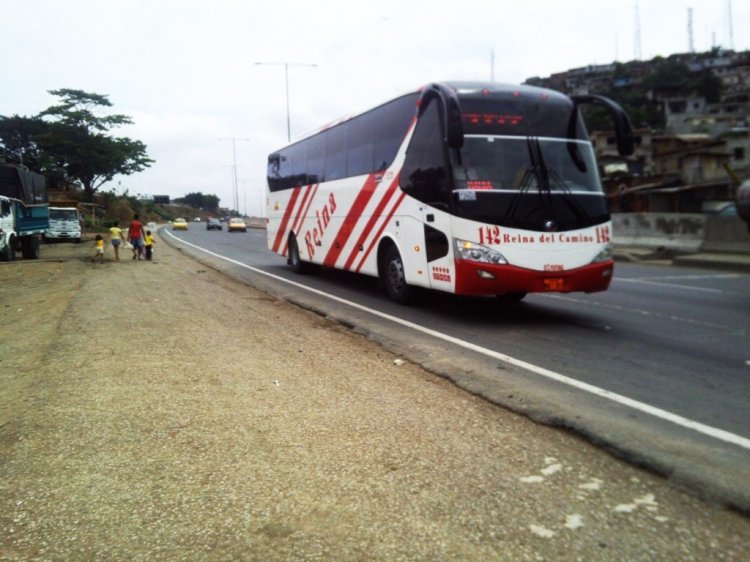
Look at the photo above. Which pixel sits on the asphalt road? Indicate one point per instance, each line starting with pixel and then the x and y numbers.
pixel 655 369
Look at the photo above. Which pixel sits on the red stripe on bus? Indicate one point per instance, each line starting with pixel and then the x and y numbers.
pixel 285 220
pixel 371 223
pixel 300 217
pixel 380 231
pixel 350 221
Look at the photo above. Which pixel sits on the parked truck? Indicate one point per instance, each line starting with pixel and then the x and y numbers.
pixel 64 224
pixel 24 212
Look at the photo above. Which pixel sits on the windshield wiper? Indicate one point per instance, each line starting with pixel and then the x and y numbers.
pixel 537 171
pixel 546 179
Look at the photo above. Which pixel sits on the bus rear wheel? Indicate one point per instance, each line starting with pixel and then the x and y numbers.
pixel 394 277
pixel 294 259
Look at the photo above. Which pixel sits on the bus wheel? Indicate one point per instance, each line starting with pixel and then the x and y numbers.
pixel 294 259
pixel 394 277
pixel 511 297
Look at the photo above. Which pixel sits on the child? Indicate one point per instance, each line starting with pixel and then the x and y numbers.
pixel 149 245
pixel 99 249
pixel 116 238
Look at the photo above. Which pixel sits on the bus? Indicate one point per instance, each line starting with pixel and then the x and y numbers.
pixel 466 188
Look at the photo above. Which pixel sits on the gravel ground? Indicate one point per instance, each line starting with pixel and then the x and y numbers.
pixel 161 411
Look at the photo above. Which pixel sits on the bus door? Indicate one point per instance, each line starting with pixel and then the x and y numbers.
pixel 440 266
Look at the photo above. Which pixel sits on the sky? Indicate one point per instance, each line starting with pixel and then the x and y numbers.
pixel 186 71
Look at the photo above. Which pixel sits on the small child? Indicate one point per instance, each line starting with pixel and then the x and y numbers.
pixel 99 249
pixel 149 245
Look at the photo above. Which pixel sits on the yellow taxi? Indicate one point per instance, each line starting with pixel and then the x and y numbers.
pixel 179 224
pixel 236 224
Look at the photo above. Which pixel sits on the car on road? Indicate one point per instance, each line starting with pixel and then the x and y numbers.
pixel 236 224
pixel 179 224
pixel 213 224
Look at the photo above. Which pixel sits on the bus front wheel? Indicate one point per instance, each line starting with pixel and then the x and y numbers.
pixel 394 277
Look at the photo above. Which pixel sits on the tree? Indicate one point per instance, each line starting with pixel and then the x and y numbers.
pixel 199 201
pixel 71 140
pixel 17 136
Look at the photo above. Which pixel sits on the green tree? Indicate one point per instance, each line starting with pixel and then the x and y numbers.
pixel 76 140
pixel 199 201
pixel 17 136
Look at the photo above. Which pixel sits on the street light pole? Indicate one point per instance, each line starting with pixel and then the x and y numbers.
pixel 235 186
pixel 286 66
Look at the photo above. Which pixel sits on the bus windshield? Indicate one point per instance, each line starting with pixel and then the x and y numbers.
pixel 505 163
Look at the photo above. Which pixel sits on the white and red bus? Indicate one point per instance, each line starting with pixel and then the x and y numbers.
pixel 467 188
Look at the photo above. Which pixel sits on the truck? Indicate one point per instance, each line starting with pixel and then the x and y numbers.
pixel 64 224
pixel 24 212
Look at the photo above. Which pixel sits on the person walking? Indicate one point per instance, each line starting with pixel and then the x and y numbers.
pixel 116 237
pixel 135 236
pixel 149 242
pixel 99 254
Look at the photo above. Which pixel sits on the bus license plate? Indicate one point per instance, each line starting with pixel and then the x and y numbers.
pixel 554 284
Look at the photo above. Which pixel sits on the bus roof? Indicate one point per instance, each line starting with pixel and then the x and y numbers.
pixel 464 90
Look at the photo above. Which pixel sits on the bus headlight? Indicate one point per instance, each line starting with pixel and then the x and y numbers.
pixel 604 255
pixel 471 251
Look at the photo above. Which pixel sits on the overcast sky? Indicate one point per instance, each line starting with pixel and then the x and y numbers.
pixel 185 70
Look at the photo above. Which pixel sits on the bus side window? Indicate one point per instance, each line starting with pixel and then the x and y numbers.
pixel 425 172
pixel 335 142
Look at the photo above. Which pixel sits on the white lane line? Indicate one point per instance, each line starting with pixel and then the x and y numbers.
pixel 668 285
pixel 681 421
pixel 630 310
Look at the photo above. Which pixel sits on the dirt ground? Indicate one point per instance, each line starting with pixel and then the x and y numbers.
pixel 162 411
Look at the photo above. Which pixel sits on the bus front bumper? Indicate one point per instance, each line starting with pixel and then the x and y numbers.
pixel 474 278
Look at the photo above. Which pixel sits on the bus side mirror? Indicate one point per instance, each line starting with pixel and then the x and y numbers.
pixel 454 129
pixel 623 129
pixel 452 119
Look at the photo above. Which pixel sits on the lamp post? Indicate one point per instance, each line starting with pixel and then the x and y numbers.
pixel 286 66
pixel 235 187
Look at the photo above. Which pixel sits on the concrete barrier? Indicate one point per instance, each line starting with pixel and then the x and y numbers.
pixel 681 232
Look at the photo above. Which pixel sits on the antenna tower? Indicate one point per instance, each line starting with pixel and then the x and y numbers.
pixel 691 45
pixel 637 42
pixel 730 38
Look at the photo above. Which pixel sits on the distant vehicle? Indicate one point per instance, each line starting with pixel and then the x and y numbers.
pixel 151 226
pixel 197 219
pixel 213 224
pixel 236 224
pixel 64 224
pixel 466 188
pixel 24 212
pixel 179 224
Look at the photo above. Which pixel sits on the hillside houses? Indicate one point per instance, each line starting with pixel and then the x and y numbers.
pixel 691 156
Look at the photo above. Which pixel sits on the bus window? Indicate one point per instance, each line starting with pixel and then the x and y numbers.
pixel 335 142
pixel 316 159
pixel 359 149
pixel 425 174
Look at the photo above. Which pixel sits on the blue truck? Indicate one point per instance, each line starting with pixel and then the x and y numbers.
pixel 24 212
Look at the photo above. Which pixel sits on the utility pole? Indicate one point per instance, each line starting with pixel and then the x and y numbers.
pixel 286 66
pixel 235 188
